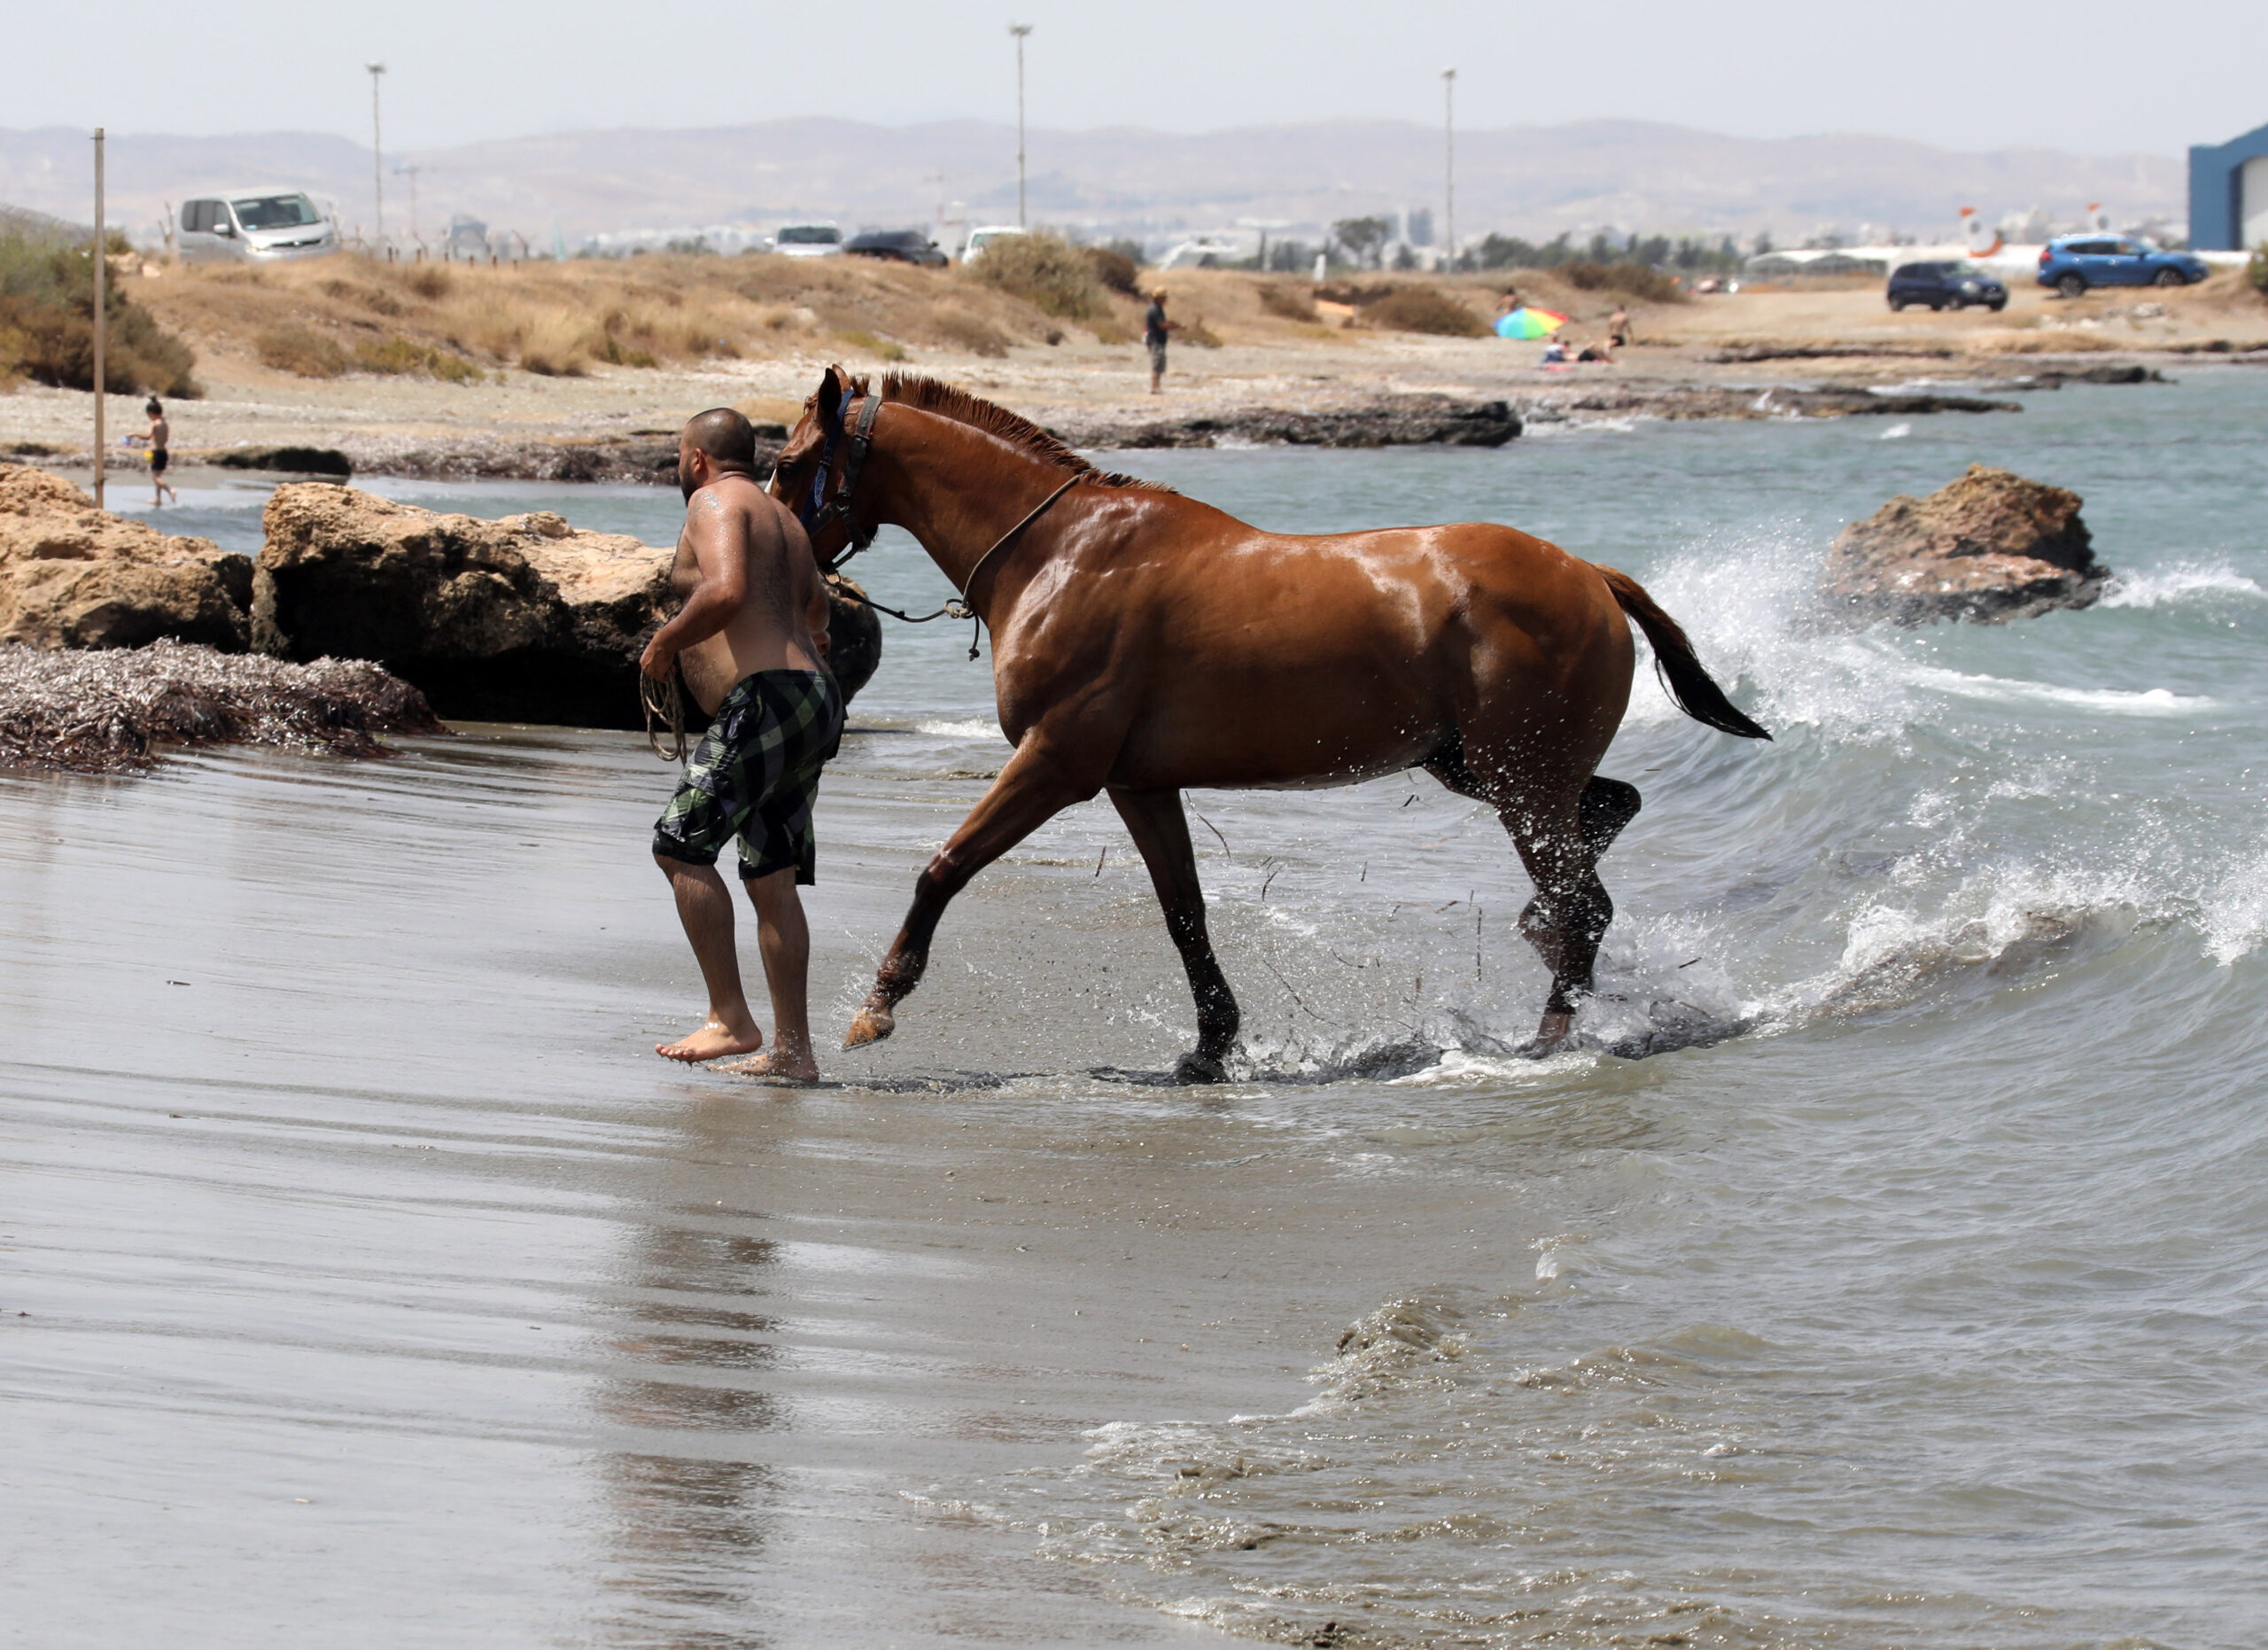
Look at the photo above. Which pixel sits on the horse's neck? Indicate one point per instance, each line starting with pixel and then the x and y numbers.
pixel 958 490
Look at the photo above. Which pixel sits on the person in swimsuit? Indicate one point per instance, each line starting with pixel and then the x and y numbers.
pixel 157 438
pixel 1618 327
pixel 1155 328
pixel 749 644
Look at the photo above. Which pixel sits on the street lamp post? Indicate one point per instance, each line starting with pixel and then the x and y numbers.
pixel 377 167
pixel 1448 168
pixel 102 316
pixel 1020 30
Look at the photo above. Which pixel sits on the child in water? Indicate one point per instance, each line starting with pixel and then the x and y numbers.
pixel 157 438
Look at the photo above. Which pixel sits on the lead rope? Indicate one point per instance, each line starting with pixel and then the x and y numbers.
pixel 959 607
pixel 664 703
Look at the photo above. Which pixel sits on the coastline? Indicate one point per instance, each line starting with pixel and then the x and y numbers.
pixel 1763 354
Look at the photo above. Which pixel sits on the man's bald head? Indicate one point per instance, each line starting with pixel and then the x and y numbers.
pixel 728 439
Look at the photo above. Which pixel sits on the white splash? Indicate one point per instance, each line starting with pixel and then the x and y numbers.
pixel 2184 584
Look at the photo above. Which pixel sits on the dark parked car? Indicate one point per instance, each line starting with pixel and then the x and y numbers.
pixel 896 246
pixel 2075 262
pixel 1950 285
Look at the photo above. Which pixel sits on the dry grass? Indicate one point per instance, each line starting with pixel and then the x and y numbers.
pixel 302 352
pixel 1047 272
pixel 349 314
pixel 1292 300
pixel 1425 309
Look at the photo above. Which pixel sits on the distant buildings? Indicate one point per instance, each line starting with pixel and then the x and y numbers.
pixel 2228 193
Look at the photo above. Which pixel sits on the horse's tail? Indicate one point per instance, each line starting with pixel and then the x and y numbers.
pixel 1693 689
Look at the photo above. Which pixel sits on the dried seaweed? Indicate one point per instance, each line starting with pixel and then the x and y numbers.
pixel 113 710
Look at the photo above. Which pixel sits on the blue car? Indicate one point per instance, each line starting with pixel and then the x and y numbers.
pixel 2073 263
pixel 1954 286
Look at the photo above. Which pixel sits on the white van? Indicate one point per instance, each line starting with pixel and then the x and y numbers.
pixel 983 235
pixel 252 226
pixel 808 240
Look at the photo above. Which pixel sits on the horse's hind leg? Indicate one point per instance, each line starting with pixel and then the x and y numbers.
pixel 1161 830
pixel 1567 919
pixel 1031 790
pixel 1605 807
pixel 1561 847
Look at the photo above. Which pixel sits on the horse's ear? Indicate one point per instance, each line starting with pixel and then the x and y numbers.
pixel 831 390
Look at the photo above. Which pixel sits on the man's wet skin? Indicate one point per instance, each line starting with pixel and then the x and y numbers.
pixel 753 602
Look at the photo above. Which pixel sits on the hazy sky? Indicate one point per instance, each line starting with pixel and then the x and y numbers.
pixel 2083 74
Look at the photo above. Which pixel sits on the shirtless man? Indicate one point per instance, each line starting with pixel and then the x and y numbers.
pixel 750 642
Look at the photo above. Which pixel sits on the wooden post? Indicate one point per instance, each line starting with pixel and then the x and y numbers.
pixel 102 297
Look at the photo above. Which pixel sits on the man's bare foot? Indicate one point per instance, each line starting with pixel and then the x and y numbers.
pixel 713 1041
pixel 777 1067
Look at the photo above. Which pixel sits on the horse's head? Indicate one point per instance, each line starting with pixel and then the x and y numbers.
pixel 818 472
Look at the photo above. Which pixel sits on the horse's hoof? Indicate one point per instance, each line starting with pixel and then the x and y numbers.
pixel 868 1025
pixel 1200 1068
pixel 1556 1031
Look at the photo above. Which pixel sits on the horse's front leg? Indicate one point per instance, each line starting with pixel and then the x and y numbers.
pixel 1034 786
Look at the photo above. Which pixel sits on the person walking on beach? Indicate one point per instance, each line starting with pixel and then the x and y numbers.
pixel 748 647
pixel 157 438
pixel 1618 327
pixel 1155 329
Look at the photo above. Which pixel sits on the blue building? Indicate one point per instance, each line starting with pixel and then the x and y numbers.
pixel 2228 193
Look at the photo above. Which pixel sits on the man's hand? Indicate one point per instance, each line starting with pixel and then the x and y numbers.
pixel 658 659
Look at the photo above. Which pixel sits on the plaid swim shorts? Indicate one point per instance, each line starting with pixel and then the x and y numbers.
pixel 755 775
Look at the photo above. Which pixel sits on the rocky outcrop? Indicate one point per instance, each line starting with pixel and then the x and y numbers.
pixel 73 576
pixel 117 708
pixel 523 619
pixel 1391 421
pixel 1992 546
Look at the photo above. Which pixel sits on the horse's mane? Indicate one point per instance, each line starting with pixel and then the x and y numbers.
pixel 949 400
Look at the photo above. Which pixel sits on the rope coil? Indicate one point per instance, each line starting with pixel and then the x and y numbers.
pixel 664 703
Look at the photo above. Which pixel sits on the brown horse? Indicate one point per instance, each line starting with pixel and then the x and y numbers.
pixel 1144 643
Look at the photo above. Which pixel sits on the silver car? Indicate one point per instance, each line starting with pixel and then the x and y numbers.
pixel 253 226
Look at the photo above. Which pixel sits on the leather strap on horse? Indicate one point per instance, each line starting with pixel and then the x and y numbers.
pixel 821 509
pixel 959 608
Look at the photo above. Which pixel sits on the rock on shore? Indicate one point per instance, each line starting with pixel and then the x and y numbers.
pixel 73 576
pixel 1989 547
pixel 524 620
pixel 1393 421
pixel 112 709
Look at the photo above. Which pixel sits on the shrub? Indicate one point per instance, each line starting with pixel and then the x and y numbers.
pixel 1116 269
pixel 1634 280
pixel 1287 301
pixel 47 325
pixel 1425 310
pixel 977 335
pixel 1195 332
pixel 428 280
pixel 301 353
pixel 885 348
pixel 1045 271
pixel 2256 271
pixel 399 355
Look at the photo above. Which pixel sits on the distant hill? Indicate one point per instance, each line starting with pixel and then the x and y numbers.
pixel 1530 181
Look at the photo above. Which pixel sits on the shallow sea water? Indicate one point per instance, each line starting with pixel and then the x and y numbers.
pixel 1887 1269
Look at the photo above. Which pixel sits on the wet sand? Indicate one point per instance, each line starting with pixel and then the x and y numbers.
pixel 372 1283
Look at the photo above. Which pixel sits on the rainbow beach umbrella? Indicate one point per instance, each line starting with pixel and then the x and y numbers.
pixel 1529 322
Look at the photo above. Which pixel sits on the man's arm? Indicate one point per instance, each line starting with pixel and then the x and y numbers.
pixel 720 550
